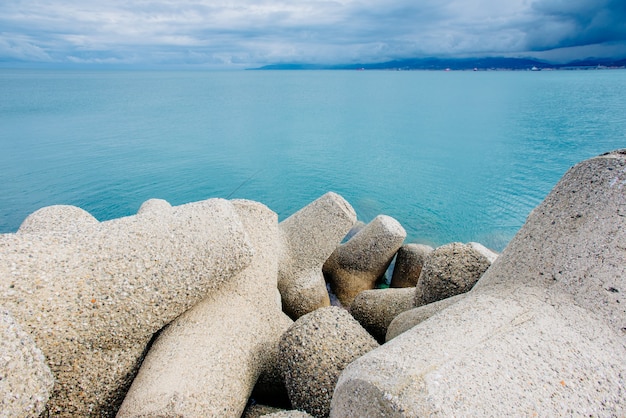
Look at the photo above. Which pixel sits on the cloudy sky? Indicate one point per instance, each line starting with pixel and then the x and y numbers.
pixel 242 33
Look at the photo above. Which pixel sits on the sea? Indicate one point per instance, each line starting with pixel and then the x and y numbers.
pixel 454 156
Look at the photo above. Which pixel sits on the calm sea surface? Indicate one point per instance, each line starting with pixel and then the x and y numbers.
pixel 454 156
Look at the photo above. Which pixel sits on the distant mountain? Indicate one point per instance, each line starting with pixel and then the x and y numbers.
pixel 590 62
pixel 432 63
pixel 453 64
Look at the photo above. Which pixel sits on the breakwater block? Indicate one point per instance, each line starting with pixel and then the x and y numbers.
pixel 357 264
pixel 543 332
pixel 409 262
pixel 91 294
pixel 25 379
pixel 225 341
pixel 309 237
pixel 314 351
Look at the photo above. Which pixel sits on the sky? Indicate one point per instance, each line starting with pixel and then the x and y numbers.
pixel 248 33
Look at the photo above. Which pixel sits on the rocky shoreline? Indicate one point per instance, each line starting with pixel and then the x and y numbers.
pixel 216 309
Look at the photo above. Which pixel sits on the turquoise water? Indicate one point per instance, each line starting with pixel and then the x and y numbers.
pixel 454 156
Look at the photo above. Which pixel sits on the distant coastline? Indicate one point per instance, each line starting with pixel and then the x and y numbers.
pixel 460 64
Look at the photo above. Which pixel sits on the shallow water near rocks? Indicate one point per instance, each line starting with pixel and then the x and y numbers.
pixel 454 156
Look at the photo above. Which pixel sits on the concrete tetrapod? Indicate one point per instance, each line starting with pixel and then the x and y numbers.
pixel 25 379
pixel 356 265
pixel 91 294
pixel 376 309
pixel 406 320
pixel 449 270
pixel 542 333
pixel 309 236
pixel 409 262
pixel 314 351
pixel 206 362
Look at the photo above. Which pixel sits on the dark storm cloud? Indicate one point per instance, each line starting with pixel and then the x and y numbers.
pixel 571 23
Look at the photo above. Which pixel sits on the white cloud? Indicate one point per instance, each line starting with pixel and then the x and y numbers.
pixel 18 47
pixel 252 32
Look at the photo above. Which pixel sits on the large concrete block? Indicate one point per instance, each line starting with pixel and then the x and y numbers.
pixel 575 241
pixel 491 356
pixel 206 362
pixel 542 333
pixel 25 379
pixel 314 351
pixel 376 309
pixel 449 270
pixel 91 294
pixel 309 237
pixel 406 320
pixel 409 262
pixel 357 264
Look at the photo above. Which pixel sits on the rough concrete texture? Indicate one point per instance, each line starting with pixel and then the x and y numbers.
pixel 288 414
pixel 375 309
pixel 309 237
pixel 92 294
pixel 409 262
pixel 489 254
pixel 408 319
pixel 356 265
pixel 449 270
pixel 491 356
pixel 314 351
pixel 544 332
pixel 575 241
pixel 25 379
pixel 206 362
pixel 258 410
